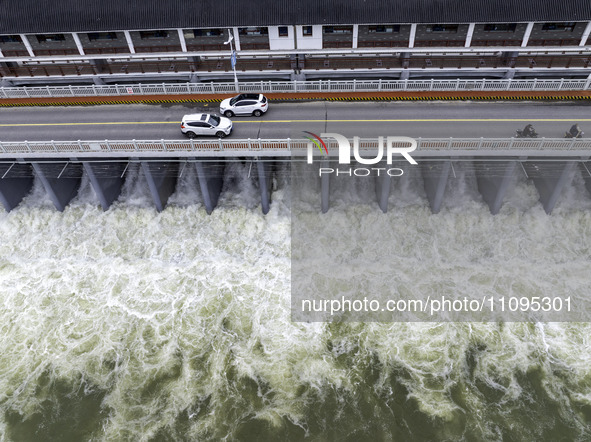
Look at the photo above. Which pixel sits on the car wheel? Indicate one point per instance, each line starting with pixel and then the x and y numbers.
pixel 220 134
pixel 229 114
pixel 257 113
pixel 191 134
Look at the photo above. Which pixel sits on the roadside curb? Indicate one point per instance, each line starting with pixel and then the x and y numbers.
pixel 348 96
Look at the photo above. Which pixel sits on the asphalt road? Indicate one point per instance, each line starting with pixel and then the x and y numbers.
pixel 363 119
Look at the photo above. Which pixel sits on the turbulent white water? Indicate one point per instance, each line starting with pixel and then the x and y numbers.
pixel 137 325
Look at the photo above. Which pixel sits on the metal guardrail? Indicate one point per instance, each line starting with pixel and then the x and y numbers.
pixel 252 147
pixel 298 87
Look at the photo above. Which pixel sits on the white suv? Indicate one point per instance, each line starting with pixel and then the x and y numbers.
pixel 244 104
pixel 205 124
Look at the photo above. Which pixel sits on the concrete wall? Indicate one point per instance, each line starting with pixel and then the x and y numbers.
pixel 383 39
pixel 337 39
pixel 480 37
pixel 425 38
pixel 156 44
pixel 206 42
pixel 250 41
pixel 276 42
pixel 541 37
pixel 67 46
pixel 117 45
pixel 15 183
pixel 14 48
pixel 313 41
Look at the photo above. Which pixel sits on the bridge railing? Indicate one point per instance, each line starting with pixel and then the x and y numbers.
pixel 253 147
pixel 297 87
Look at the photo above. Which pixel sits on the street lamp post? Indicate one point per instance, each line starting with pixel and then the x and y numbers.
pixel 232 59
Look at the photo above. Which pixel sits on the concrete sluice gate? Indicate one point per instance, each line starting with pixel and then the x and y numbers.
pixel 492 178
pixel 61 178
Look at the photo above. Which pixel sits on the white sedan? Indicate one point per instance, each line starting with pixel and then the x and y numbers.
pixel 244 104
pixel 205 124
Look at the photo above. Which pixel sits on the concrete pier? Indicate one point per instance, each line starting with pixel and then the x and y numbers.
pixel 61 181
pixel 161 177
pixel 550 178
pixel 265 177
pixel 494 180
pixel 435 175
pixel 16 181
pixel 210 174
pixel 585 167
pixel 492 177
pixel 106 179
pixel 325 188
pixel 383 184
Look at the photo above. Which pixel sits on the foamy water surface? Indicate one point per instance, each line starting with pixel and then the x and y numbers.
pixel 136 325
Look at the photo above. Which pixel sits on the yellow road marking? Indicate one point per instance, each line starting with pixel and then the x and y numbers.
pixel 397 120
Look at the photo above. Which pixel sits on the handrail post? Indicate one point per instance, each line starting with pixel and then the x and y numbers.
pixel 572 143
pixel 561 83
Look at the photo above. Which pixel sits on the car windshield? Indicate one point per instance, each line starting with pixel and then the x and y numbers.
pixel 214 121
pixel 234 100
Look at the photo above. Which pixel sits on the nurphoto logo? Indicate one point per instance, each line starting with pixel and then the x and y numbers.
pixel 394 145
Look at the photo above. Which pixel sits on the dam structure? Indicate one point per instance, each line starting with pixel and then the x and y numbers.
pixel 550 163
